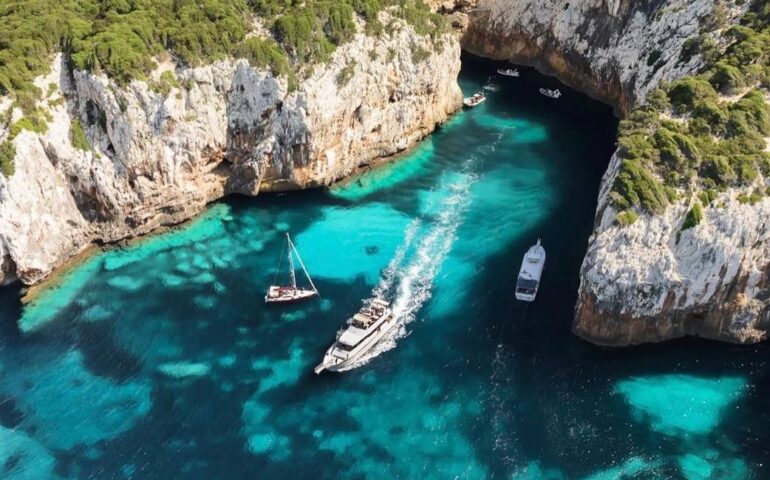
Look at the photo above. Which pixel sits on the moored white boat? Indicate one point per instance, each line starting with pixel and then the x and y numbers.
pixel 508 72
pixel 364 330
pixel 530 273
pixel 550 93
pixel 477 99
pixel 290 293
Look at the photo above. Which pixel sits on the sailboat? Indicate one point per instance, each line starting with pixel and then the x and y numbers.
pixel 290 293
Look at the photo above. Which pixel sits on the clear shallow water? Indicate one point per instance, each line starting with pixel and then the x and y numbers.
pixel 160 361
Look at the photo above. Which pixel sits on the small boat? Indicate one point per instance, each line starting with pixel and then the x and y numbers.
pixel 290 293
pixel 530 272
pixel 364 330
pixel 508 72
pixel 477 99
pixel 550 93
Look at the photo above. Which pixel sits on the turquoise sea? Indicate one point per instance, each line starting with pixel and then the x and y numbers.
pixel 161 361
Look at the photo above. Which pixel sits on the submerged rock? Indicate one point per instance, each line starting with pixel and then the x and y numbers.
pixel 184 369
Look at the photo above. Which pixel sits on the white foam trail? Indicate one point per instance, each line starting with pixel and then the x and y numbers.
pixel 389 274
pixel 415 279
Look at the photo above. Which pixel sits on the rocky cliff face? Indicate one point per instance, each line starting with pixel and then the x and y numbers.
pixel 613 50
pixel 649 281
pixel 159 158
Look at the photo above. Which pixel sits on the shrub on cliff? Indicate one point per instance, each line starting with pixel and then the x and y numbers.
pixel 727 78
pixel 78 136
pixel 346 74
pixel 121 38
pixel 714 143
pixel 658 100
pixel 165 83
pixel 756 112
pixel 718 169
pixel 687 91
pixel 636 186
pixel 7 154
pixel 693 217
pixel 264 53
pixel 626 218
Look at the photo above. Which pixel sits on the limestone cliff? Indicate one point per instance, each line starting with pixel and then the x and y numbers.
pixel 613 50
pixel 157 156
pixel 652 281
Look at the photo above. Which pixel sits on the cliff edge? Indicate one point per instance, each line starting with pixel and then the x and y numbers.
pixel 118 161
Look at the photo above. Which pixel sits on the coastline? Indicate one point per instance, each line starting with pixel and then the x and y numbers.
pixel 29 293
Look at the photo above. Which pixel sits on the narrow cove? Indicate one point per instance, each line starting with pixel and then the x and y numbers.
pixel 164 362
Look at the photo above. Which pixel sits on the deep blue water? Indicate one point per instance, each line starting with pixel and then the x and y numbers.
pixel 160 360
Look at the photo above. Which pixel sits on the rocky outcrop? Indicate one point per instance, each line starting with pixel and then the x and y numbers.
pixel 158 158
pixel 614 50
pixel 652 281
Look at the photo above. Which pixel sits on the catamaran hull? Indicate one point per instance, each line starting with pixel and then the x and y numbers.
pixel 359 352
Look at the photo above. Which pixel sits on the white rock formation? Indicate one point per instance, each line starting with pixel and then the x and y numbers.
pixel 159 159
pixel 651 281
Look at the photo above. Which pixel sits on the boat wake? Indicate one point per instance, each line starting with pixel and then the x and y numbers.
pixel 389 274
pixel 407 281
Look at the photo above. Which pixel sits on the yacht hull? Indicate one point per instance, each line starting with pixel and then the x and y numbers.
pixel 334 364
pixel 295 297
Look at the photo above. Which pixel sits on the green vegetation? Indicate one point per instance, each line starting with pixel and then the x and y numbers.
pixel 693 217
pixel 419 54
pixel 751 198
pixel 34 123
pixel 626 218
pixel 121 38
pixel 165 83
pixel 688 137
pixel 346 74
pixel 78 136
pixel 7 153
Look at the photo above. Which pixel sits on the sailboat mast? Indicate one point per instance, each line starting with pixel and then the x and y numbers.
pixel 301 264
pixel 291 262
